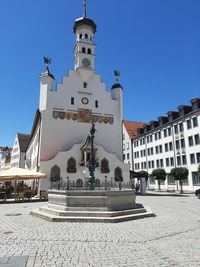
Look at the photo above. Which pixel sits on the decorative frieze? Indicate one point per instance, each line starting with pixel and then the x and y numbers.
pixel 83 115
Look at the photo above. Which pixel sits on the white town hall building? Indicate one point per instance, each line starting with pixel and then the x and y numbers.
pixel 59 143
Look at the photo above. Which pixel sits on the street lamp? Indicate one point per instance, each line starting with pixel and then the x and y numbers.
pixel 106 182
pixel 92 164
pixel 111 182
pixel 67 182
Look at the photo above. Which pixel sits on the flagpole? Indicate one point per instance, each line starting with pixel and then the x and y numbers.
pixel 85 5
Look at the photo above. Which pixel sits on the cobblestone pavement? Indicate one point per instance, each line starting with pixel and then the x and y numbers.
pixel 172 238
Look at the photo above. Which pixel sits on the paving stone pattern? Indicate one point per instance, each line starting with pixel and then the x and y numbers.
pixel 15 261
pixel 172 238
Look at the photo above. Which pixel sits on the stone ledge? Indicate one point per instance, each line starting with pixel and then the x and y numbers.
pixel 105 217
pixel 91 213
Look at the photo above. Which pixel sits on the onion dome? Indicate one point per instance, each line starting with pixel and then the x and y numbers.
pixel 84 22
pixel 117 84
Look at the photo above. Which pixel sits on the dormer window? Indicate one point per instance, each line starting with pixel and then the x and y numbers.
pixel 195 106
pixel 181 112
pixel 170 117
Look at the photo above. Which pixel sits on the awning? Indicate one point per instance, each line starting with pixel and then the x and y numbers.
pixel 19 174
pixel 140 174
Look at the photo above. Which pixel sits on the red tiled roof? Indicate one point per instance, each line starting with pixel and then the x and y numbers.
pixel 5 149
pixel 132 126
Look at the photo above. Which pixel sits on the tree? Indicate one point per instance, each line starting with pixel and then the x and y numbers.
pixel 180 174
pixel 160 175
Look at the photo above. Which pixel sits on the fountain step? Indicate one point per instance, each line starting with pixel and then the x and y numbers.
pixel 78 213
pixel 104 217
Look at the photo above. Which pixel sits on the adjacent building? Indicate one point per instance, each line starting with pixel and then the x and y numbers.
pixel 130 130
pixel 19 150
pixel 5 158
pixel 171 141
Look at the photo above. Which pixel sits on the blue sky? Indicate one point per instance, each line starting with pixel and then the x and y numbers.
pixel 154 43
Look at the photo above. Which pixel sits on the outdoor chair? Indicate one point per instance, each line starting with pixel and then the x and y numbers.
pixel 3 196
pixel 43 195
pixel 28 195
pixel 20 196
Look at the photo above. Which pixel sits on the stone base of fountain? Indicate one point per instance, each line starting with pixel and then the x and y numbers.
pixel 92 206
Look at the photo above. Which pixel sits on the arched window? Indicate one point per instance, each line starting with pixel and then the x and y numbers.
pixel 86 36
pixel 97 183
pixel 83 50
pixel 79 183
pixel 118 175
pixel 55 172
pixel 90 38
pixel 89 51
pixel 71 165
pixel 105 166
pixel 81 36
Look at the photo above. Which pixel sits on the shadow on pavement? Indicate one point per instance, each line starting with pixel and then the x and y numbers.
pixel 164 194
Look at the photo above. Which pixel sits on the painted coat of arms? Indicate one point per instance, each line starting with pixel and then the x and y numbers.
pixel 84 115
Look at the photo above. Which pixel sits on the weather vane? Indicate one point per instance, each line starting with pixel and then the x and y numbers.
pixel 117 75
pixel 85 6
pixel 47 62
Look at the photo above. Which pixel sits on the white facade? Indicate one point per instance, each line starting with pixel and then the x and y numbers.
pixel 33 149
pixel 129 132
pixel 172 141
pixel 5 158
pixel 18 151
pixel 65 115
pixel 15 156
pixel 127 148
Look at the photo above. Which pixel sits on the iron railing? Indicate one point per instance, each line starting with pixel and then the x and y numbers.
pixel 59 184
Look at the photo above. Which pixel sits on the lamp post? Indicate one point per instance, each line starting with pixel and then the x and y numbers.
pixel 111 182
pixel 92 163
pixel 68 183
pixel 132 183
pixel 106 182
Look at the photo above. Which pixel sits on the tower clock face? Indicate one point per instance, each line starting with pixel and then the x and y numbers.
pixel 84 100
pixel 86 62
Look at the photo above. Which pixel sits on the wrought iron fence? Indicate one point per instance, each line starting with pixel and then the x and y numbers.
pixel 78 184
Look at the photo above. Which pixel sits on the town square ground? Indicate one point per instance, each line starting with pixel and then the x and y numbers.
pixel 169 239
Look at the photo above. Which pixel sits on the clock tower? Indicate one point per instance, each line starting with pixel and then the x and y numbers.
pixel 84 52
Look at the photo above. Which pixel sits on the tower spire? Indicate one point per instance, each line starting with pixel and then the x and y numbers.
pixel 85 8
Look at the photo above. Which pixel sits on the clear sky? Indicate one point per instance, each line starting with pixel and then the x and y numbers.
pixel 154 43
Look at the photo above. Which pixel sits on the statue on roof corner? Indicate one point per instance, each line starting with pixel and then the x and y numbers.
pixel 47 62
pixel 117 75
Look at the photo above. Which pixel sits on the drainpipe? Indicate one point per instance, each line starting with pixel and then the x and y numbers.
pixel 38 152
pixel 132 160
pixel 147 166
pixel 173 140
